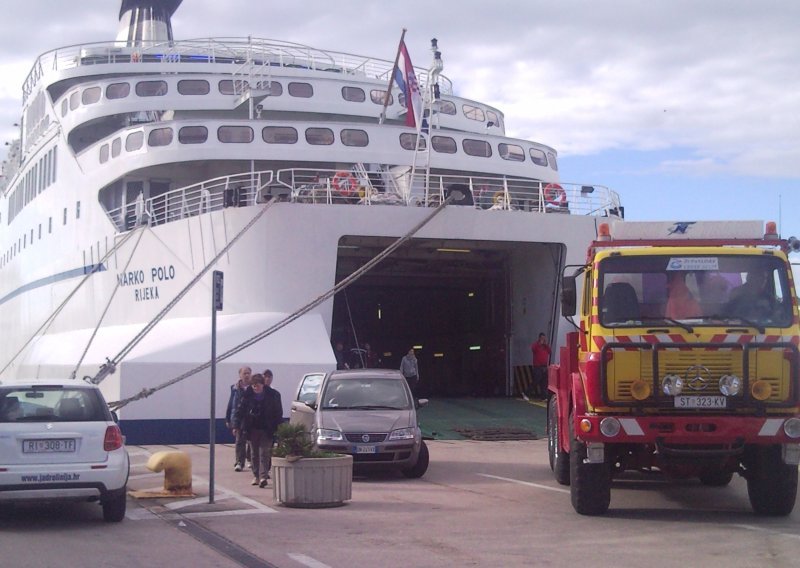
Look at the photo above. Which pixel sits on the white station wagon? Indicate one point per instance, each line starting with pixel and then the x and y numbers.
pixel 59 441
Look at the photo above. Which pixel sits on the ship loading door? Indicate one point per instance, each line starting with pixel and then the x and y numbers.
pixel 470 308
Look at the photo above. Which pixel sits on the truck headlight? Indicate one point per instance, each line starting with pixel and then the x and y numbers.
pixel 640 389
pixel 792 427
pixel 402 434
pixel 672 385
pixel 609 426
pixel 325 435
pixel 761 390
pixel 730 385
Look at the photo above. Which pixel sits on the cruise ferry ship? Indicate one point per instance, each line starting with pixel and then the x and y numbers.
pixel 338 206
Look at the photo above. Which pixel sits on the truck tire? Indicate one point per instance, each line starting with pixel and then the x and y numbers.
pixel 771 484
pixel 559 459
pixel 590 483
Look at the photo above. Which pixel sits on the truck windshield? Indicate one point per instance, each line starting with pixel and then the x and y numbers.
pixel 737 290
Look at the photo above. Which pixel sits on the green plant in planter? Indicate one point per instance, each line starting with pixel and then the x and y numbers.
pixel 294 443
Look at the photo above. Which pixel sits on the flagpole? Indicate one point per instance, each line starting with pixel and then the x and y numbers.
pixel 391 78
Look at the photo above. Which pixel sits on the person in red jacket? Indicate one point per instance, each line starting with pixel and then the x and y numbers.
pixel 541 358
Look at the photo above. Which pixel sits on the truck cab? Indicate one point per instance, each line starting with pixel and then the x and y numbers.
pixel 685 362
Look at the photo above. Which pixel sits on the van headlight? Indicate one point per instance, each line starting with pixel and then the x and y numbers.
pixel 730 385
pixel 672 385
pixel 326 435
pixel 402 434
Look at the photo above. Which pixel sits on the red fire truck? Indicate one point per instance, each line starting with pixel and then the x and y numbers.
pixel 684 362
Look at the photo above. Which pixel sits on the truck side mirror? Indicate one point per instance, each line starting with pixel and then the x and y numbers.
pixel 569 296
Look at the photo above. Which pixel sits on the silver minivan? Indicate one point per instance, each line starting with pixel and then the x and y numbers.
pixel 367 413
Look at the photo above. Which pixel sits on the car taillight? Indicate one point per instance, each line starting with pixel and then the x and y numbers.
pixel 113 439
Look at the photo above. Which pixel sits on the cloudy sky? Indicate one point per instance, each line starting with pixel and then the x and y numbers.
pixel 690 109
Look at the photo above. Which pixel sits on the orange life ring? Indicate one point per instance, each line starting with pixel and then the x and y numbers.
pixel 345 183
pixel 555 195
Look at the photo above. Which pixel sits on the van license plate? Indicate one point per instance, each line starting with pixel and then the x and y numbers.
pixel 365 449
pixel 701 402
pixel 48 446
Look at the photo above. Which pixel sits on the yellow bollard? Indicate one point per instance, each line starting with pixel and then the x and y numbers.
pixel 177 468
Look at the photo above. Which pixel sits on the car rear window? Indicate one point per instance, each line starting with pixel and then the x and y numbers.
pixel 365 393
pixel 52 404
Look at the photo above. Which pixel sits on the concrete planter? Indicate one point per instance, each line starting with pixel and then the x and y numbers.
pixel 312 482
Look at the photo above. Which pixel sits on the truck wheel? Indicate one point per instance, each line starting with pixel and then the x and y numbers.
pixel 716 477
pixel 114 508
pixel 771 484
pixel 419 468
pixel 590 483
pixel 559 459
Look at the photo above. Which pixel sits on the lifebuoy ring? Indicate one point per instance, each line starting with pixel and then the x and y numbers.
pixel 345 183
pixel 555 195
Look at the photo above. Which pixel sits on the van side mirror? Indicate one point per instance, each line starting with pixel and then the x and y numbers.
pixel 421 402
pixel 569 296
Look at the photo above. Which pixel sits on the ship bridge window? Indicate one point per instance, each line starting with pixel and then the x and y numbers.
pixel 474 113
pixel 408 141
pixel 273 88
pixel 134 141
pixel 551 159
pixel 235 134
pixel 118 90
pixel 103 153
pixel 151 88
pixel 511 152
pixel 444 144
pixel 193 135
pixel 74 100
pixel 319 136
pixel 194 87
pixel 538 157
pixel 492 117
pixel 302 90
pixel 116 147
pixel 279 135
pixel 353 94
pixel 352 137
pixel 480 148
pixel 159 137
pixel 64 108
pixel 229 87
pixel 91 95
pixel 446 107
pixel 378 97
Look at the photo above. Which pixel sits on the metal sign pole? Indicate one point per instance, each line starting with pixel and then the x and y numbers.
pixel 216 305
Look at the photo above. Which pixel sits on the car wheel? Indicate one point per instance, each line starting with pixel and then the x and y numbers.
pixel 419 468
pixel 114 508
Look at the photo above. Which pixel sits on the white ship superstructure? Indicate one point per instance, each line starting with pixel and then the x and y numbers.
pixel 140 160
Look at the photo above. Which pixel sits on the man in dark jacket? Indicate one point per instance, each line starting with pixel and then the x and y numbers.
pixel 237 390
pixel 256 419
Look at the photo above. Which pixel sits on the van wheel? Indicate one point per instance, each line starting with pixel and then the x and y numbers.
pixel 114 508
pixel 771 484
pixel 590 483
pixel 559 459
pixel 419 468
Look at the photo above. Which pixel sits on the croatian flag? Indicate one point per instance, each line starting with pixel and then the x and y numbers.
pixel 407 81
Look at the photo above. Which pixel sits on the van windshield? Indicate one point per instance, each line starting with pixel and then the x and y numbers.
pixel 366 393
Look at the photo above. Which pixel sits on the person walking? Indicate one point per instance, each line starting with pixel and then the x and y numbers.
pixel 256 418
pixel 410 369
pixel 541 359
pixel 242 451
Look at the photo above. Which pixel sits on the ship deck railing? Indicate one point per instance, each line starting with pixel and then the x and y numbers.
pixel 241 54
pixel 337 187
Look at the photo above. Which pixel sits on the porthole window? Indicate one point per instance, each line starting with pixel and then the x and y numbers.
pixel 511 152
pixel 103 153
pixel 302 90
pixel 64 104
pixel 353 137
pixel 151 88
pixel 116 147
pixel 379 97
pixel 229 87
pixel 444 144
pixel 474 113
pixel 353 94
pixel 480 148
pixel 159 137
pixel 447 107
pixel 408 141
pixel 193 135
pixel 319 136
pixel 538 157
pixel 118 90
pixel 194 87
pixel 91 95
pixel 273 88
pixel 134 141
pixel 74 100
pixel 235 134
pixel 551 159
pixel 279 135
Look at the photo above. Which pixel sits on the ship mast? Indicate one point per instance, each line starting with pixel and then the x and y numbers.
pixel 146 21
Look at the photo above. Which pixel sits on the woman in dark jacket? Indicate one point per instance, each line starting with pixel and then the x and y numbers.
pixel 257 416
